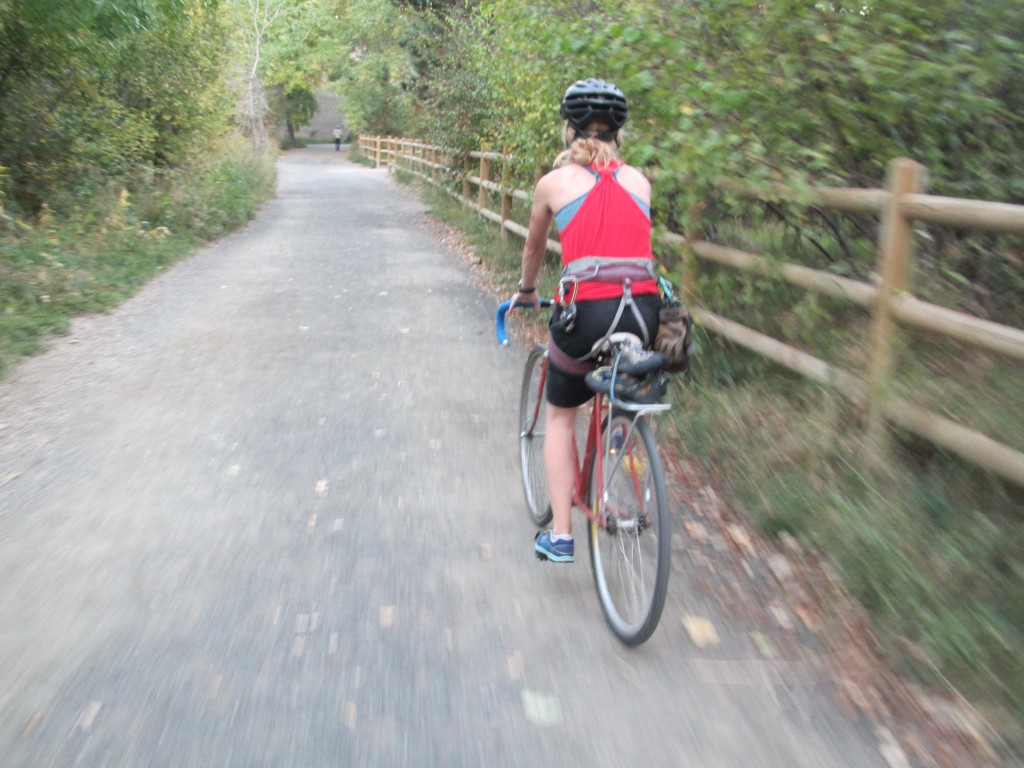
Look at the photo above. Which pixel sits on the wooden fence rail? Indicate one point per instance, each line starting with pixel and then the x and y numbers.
pixel 888 300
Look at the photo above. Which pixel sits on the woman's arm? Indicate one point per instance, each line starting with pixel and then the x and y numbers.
pixel 536 243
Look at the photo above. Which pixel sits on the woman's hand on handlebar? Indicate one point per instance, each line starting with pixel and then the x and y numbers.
pixel 520 299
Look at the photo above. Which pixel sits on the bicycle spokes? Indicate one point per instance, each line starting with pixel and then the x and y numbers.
pixel 626 465
pixel 629 536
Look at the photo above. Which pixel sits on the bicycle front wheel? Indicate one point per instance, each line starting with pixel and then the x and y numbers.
pixel 532 413
pixel 630 544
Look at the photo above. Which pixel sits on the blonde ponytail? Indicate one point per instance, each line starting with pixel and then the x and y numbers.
pixel 588 150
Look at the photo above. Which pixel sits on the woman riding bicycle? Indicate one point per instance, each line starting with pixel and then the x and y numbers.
pixel 601 207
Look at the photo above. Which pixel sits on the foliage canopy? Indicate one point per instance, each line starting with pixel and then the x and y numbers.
pixel 92 93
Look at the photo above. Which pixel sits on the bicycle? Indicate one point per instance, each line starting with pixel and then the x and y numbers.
pixel 620 484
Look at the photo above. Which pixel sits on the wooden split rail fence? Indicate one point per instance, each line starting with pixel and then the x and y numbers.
pixel 898 206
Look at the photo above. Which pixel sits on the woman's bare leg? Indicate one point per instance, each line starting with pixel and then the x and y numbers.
pixel 560 465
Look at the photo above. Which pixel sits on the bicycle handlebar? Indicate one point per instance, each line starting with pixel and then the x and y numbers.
pixel 503 308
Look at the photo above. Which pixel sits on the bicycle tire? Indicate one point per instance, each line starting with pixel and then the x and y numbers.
pixel 630 553
pixel 532 413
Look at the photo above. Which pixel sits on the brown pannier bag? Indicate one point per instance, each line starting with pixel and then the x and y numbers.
pixel 675 336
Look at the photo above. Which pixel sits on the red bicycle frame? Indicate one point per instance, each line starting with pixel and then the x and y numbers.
pixel 591 454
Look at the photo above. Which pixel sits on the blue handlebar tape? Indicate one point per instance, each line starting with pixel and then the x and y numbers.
pixel 503 308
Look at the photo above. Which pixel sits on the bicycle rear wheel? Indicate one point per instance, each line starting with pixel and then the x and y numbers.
pixel 629 536
pixel 532 413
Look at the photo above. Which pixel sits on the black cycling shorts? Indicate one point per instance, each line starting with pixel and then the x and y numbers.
pixel 593 319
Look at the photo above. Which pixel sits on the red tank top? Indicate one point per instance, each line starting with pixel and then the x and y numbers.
pixel 609 222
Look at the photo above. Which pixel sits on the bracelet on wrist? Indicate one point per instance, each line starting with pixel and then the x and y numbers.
pixel 526 290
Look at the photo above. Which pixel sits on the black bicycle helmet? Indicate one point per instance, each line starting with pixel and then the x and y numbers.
pixel 594 100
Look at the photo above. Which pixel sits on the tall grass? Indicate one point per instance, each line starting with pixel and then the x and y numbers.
pixel 87 256
pixel 929 545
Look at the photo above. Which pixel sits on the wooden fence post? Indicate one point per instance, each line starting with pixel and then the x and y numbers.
pixel 691 266
pixel 506 196
pixel 377 152
pixel 485 176
pixel 895 251
pixel 467 169
pixel 506 213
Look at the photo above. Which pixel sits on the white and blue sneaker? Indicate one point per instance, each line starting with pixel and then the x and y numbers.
pixel 559 550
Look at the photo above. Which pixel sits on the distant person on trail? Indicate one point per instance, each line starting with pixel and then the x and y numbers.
pixel 601 207
pixel 337 138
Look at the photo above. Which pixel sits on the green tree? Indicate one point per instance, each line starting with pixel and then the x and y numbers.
pixel 373 69
pixel 93 94
pixel 457 90
pixel 298 107
pixel 297 55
